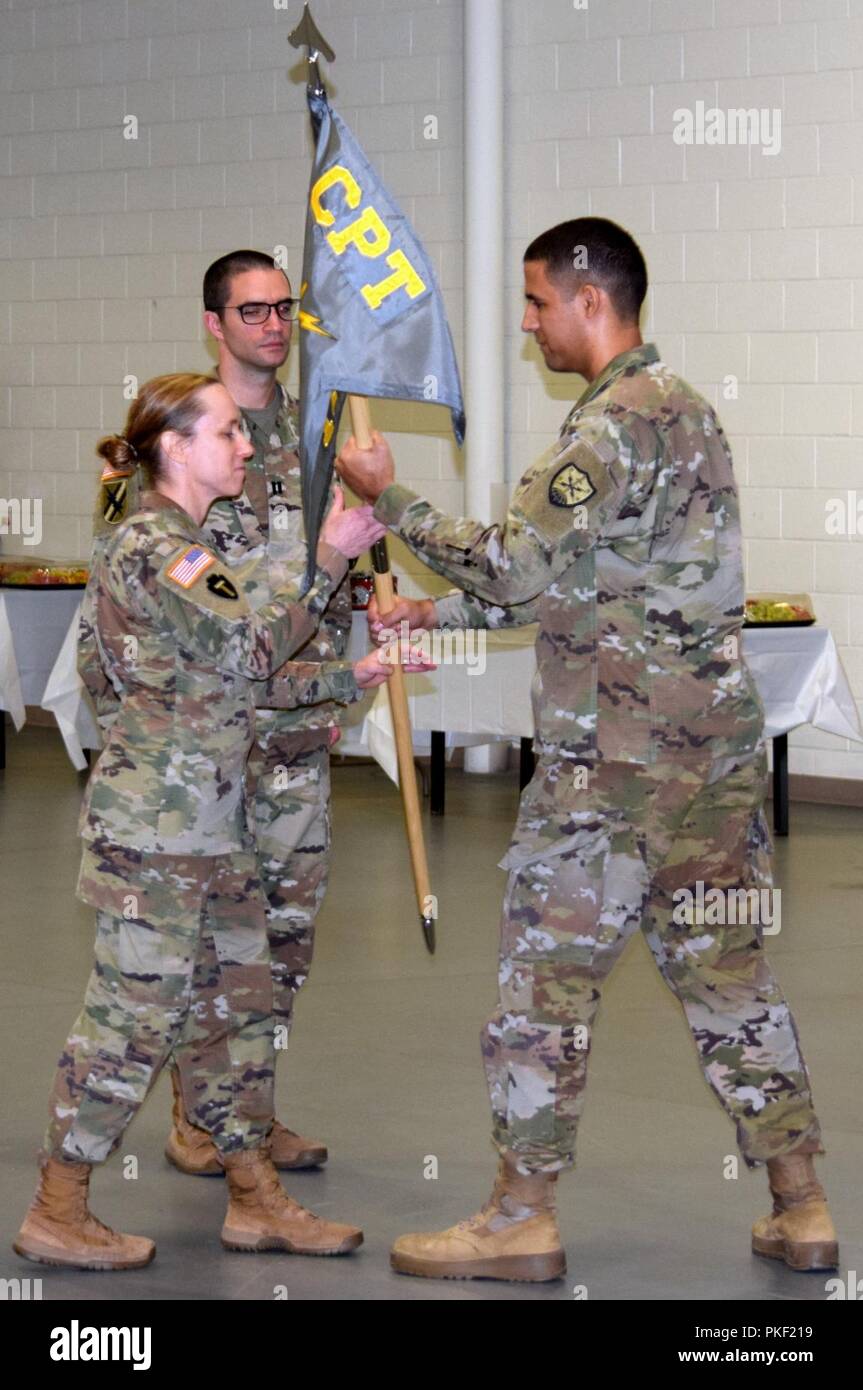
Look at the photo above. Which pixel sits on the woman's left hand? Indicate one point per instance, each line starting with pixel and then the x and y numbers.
pixel 377 666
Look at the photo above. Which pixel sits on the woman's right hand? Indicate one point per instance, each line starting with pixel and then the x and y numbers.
pixel 350 530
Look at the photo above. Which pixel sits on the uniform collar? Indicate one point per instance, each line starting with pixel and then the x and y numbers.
pixel 155 501
pixel 282 403
pixel 278 402
pixel 635 357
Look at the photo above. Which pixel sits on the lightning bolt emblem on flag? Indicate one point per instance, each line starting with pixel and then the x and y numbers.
pixel 310 321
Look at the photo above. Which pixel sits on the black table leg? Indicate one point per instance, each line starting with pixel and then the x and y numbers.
pixel 780 784
pixel 438 772
pixel 527 763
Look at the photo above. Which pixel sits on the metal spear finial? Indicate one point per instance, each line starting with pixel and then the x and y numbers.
pixel 308 35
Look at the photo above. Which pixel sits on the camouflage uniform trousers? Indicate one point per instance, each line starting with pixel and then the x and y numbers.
pixel 288 793
pixel 166 928
pixel 643 833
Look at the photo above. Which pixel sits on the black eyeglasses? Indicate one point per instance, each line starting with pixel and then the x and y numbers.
pixel 259 313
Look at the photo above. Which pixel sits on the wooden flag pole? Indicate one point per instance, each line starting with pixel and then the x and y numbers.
pixel 362 428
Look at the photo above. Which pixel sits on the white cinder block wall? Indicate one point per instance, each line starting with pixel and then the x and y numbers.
pixel 756 261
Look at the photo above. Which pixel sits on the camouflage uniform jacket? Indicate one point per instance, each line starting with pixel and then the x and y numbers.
pixel 237 528
pixel 269 512
pixel 623 541
pixel 181 636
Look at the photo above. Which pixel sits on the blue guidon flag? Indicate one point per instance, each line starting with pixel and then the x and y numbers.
pixel 372 319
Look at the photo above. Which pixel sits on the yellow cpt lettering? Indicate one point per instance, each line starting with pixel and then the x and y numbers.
pixel 403 276
pixel 338 174
pixel 369 234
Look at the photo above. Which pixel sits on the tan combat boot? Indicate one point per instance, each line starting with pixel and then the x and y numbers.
pixel 189 1148
pixel 261 1215
pixel 192 1150
pixel 514 1236
pixel 59 1229
pixel 290 1150
pixel 800 1230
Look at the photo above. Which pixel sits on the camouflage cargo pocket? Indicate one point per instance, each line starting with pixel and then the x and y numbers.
pixel 569 904
pixel 531 1058
pixel 159 892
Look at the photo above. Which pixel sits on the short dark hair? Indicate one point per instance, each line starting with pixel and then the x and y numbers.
pixel 217 280
pixel 610 259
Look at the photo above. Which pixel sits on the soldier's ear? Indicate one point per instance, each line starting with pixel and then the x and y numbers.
pixel 175 447
pixel 591 300
pixel 213 324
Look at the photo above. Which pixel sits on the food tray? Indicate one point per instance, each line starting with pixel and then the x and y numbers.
pixel 800 606
pixel 20 572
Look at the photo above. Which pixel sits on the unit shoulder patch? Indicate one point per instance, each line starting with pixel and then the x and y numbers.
pixel 114 498
pixel 222 586
pixel 570 486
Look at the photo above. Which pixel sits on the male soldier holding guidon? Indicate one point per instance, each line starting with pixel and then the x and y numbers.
pixel 623 542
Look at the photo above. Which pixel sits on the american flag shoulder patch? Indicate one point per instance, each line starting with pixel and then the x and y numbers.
pixel 190 566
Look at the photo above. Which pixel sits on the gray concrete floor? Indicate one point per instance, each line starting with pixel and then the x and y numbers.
pixel 384 1065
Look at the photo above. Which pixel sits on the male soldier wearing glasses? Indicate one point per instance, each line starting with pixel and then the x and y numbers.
pixel 249 310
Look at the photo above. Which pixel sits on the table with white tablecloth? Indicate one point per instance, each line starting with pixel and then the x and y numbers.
pixel 797 670
pixel 480 692
pixel 38 627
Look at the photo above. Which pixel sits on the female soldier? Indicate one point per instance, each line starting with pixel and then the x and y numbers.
pixel 167 859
